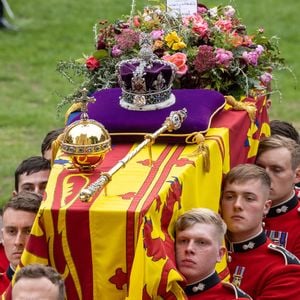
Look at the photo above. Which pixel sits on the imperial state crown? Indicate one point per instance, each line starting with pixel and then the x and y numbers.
pixel 146 81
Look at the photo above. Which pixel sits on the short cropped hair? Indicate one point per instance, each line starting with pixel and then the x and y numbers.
pixel 29 166
pixel 286 129
pixel 35 271
pixel 277 141
pixel 49 138
pixel 245 172
pixel 201 216
pixel 25 201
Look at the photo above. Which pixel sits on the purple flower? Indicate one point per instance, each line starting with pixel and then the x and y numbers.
pixel 251 58
pixel 201 10
pixel 116 52
pixel 223 57
pixel 266 78
pixel 259 49
pixel 157 34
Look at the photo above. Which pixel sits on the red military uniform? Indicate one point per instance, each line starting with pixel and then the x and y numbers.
pixel 282 225
pixel 212 288
pixel 4 263
pixel 4 282
pixel 264 270
pixel 5 279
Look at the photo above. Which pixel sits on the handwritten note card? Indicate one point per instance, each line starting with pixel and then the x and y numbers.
pixel 182 7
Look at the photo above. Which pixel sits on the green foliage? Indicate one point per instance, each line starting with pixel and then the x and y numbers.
pixel 52 31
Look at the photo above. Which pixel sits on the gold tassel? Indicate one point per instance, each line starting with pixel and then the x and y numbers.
pixel 72 108
pixel 249 107
pixel 55 146
pixel 202 149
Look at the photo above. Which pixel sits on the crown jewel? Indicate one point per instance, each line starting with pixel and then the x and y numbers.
pixel 86 140
pixel 146 81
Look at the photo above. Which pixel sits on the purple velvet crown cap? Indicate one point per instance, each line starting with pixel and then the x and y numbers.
pixel 150 74
pixel 146 84
pixel 146 80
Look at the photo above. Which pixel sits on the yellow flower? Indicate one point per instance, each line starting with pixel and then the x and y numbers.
pixel 178 46
pixel 172 38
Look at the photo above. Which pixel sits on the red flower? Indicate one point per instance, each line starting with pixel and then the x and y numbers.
pixel 101 43
pixel 92 63
pixel 136 21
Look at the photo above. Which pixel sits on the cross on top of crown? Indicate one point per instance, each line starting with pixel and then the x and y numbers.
pixel 84 100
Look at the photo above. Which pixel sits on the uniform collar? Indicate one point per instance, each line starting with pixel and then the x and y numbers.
pixel 283 208
pixel 247 245
pixel 10 272
pixel 202 285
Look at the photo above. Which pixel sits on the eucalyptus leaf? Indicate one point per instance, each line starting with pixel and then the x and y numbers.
pixel 100 53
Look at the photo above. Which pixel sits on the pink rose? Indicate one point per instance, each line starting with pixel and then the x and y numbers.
pixel 92 63
pixel 198 24
pixel 224 25
pixel 223 57
pixel 178 59
pixel 201 28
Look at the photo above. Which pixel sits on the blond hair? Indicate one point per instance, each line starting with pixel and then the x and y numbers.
pixel 201 216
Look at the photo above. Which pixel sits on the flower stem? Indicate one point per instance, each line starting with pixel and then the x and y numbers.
pixel 133 5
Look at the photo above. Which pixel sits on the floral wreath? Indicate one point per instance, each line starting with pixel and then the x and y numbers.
pixel 211 50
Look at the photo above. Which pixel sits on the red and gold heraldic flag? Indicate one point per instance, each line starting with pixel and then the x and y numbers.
pixel 120 245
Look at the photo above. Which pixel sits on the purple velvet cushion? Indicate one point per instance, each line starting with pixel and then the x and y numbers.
pixel 129 126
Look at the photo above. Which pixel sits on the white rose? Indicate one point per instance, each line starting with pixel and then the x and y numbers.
pixel 213 11
pixel 229 11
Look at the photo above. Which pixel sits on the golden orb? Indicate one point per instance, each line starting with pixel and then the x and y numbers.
pixel 87 142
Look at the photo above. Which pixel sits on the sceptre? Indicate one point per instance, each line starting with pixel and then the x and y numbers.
pixel 173 122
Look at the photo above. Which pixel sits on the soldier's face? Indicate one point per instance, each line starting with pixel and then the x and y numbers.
pixel 16 230
pixel 243 206
pixel 35 182
pixel 278 165
pixel 198 249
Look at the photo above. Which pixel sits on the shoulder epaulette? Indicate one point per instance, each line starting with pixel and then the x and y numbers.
pixel 239 294
pixel 289 258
